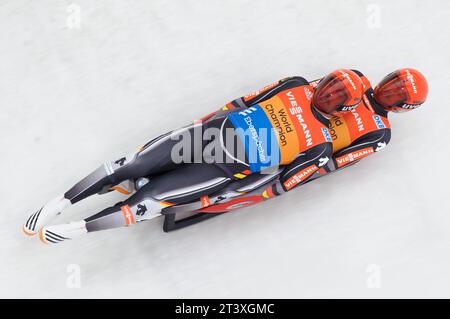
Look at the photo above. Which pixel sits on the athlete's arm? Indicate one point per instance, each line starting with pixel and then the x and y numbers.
pixel 257 96
pixel 267 92
pixel 365 145
pixel 305 166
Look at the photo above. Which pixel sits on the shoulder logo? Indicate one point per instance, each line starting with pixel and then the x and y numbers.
pixel 326 134
pixel 378 121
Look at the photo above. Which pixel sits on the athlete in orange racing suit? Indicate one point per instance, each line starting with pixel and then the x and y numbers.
pixel 283 130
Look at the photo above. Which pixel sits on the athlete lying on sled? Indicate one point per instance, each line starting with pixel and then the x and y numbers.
pixel 284 135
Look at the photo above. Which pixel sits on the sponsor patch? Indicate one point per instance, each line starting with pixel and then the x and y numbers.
pixel 258 136
pixel 326 134
pixel 353 156
pixel 300 176
pixel 258 92
pixel 378 121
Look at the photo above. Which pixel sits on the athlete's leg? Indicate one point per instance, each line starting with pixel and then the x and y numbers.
pixel 153 158
pixel 184 184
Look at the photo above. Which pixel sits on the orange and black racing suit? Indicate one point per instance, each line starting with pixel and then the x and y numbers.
pixel 354 134
pixel 276 128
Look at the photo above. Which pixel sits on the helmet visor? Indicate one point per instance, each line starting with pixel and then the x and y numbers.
pixel 391 91
pixel 331 94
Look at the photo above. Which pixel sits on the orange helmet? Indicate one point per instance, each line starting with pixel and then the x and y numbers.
pixel 339 91
pixel 402 90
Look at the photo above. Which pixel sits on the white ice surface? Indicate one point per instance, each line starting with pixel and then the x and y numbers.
pixel 70 99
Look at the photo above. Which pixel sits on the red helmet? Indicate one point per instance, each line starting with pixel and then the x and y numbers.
pixel 402 90
pixel 339 91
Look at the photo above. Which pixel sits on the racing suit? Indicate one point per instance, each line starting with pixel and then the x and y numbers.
pixel 355 135
pixel 296 142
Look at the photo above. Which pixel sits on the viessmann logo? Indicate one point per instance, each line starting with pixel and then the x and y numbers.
pixel 300 176
pixel 297 111
pixel 353 156
pixel 359 121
